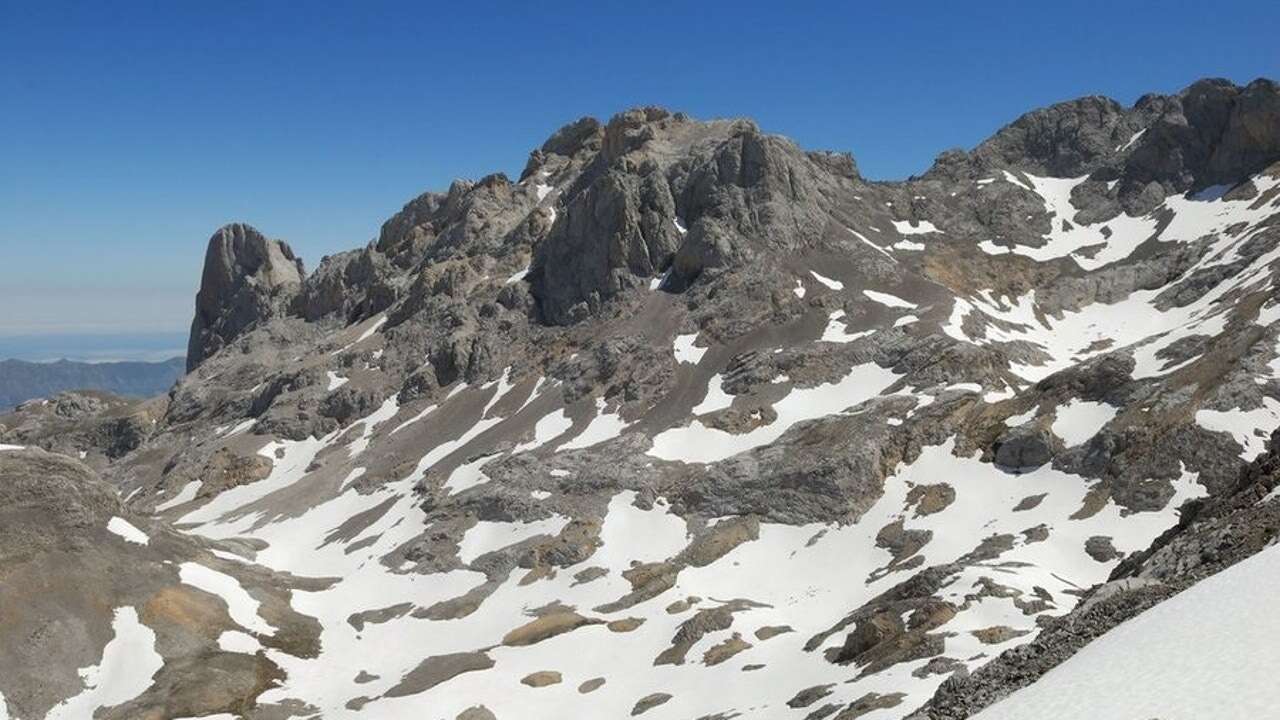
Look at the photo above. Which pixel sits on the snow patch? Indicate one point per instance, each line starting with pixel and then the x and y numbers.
pixel 126 530
pixel 1078 420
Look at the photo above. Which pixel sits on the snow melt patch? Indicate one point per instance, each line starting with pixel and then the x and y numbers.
pixel 128 663
pixel 888 300
pixel 685 351
pixel 1078 420
pixel 832 284
pixel 518 276
pixel 126 530
pixel 604 426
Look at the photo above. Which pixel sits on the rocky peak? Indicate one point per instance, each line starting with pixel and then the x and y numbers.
pixel 247 278
pixel 1066 139
pixel 1209 134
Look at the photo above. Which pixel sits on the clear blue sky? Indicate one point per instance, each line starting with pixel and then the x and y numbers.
pixel 130 131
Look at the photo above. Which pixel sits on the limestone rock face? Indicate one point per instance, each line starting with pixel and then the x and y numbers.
pixel 247 278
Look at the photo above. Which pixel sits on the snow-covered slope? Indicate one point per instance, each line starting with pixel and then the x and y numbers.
pixel 1204 653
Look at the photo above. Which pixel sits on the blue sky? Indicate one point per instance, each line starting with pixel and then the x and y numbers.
pixel 130 131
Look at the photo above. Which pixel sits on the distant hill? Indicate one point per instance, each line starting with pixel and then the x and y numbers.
pixel 21 380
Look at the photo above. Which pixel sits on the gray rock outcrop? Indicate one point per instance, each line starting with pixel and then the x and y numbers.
pixel 246 279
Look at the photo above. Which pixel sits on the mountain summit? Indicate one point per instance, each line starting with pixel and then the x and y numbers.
pixel 687 422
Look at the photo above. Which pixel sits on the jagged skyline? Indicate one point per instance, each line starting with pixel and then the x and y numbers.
pixel 360 112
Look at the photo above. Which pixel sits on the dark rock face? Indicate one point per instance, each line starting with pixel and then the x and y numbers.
pixel 615 235
pixel 1024 448
pixel 1211 133
pixel 1063 140
pixel 247 279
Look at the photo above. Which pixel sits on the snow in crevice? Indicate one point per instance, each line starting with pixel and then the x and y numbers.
pixel 831 284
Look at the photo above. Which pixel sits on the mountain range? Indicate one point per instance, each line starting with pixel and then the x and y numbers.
pixel 687 421
pixel 21 381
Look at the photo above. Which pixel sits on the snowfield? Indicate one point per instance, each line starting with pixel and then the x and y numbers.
pixel 1207 652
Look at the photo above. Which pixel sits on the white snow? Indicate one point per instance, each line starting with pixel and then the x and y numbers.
pixel 921 227
pixel 837 332
pixel 832 284
pixel 485 537
pixel 421 414
pixel 1078 420
pixel 873 246
pixel 686 352
pixel 799 289
pixel 185 495
pixel 518 275
pixel 698 443
pixel 716 399
pixel 504 386
pixel 238 642
pixel 549 427
pixel 604 426
pixel 11 447
pixel 1132 140
pixel 129 661
pixel 241 606
pixel 367 425
pixel 368 333
pixel 542 190
pixel 335 380
pixel 889 300
pixel 1207 652
pixel 1243 425
pixel 240 427
pixel 126 530
pixel 468 475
